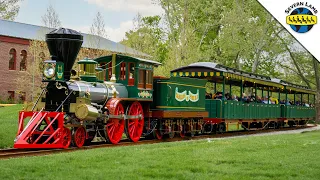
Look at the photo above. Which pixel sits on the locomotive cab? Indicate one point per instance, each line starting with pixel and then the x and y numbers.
pixel 134 73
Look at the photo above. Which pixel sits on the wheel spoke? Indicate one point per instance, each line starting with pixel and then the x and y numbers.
pixel 110 124
pixel 111 130
pixel 131 123
pixel 132 129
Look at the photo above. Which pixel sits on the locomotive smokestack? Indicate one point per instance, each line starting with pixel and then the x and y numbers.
pixel 64 45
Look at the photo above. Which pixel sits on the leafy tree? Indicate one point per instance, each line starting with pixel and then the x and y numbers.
pixel 51 18
pixel 9 9
pixel 147 36
pixel 236 33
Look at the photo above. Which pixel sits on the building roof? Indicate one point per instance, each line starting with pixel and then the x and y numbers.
pixel 34 32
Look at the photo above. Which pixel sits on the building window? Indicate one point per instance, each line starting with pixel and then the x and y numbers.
pixel 142 79
pixel 22 96
pixel 131 74
pixel 12 59
pixel 149 79
pixel 11 96
pixel 23 62
pixel 123 71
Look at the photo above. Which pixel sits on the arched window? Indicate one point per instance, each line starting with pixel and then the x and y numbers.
pixel 12 59
pixel 23 62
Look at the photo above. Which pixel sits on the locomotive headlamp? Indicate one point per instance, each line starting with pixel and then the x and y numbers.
pixel 49 70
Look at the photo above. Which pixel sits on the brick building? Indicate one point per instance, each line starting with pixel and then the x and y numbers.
pixel 15 58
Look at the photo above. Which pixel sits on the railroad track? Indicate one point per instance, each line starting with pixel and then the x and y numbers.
pixel 13 153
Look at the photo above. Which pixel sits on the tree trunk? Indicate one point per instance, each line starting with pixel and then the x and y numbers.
pixel 317 77
pixel 294 60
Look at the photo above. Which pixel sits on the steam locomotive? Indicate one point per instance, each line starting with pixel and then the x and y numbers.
pixel 118 94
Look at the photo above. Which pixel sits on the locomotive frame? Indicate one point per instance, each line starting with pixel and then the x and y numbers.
pixel 118 94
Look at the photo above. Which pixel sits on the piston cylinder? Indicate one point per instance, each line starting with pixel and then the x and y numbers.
pixel 86 112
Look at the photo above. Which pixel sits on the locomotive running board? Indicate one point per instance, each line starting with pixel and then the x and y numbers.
pixel 44 130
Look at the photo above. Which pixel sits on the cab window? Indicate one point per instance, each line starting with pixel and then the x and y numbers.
pixel 142 79
pixel 149 76
pixel 123 71
pixel 131 74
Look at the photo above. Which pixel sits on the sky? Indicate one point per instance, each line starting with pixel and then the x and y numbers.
pixel 79 14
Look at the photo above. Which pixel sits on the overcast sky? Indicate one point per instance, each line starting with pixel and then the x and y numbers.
pixel 79 14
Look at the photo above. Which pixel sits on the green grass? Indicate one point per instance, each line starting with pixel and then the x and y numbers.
pixel 9 124
pixel 294 156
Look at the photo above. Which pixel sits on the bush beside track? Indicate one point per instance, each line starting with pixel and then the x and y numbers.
pixel 9 124
pixel 289 156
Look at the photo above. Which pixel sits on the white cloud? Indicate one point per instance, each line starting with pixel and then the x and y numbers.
pixel 117 34
pixel 144 7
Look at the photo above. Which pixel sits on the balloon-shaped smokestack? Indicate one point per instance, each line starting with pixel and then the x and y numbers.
pixel 64 45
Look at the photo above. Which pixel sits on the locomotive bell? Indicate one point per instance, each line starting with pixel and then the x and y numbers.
pixel 64 46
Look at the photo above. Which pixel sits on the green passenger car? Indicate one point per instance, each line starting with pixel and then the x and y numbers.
pixel 179 94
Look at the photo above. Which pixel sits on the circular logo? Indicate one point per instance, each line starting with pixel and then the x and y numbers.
pixel 301 20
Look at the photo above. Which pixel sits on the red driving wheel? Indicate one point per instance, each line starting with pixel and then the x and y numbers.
pixel 134 126
pixel 158 134
pixel 66 137
pixel 79 136
pixel 115 126
pixel 182 132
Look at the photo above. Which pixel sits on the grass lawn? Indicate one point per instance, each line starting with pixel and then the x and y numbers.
pixel 9 124
pixel 289 156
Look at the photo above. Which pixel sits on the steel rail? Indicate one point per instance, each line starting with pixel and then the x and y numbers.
pixel 13 153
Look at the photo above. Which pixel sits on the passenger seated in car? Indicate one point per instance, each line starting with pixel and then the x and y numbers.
pixel 208 95
pixel 259 100
pixel 266 100
pixel 235 98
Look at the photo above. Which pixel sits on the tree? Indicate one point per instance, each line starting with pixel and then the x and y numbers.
pixel 317 78
pixel 147 36
pixel 30 82
pixel 239 34
pixel 9 9
pixel 97 31
pixel 98 26
pixel 51 18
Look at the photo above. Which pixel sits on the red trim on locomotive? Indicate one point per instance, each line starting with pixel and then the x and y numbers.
pixel 213 120
pixel 52 135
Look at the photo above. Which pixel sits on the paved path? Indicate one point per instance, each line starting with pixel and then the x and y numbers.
pixel 279 132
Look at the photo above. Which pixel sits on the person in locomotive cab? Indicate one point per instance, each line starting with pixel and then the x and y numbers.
pixel 131 72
